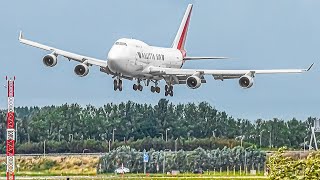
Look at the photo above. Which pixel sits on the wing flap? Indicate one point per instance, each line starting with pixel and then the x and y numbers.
pixel 219 74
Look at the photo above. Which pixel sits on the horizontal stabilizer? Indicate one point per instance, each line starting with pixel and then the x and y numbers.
pixel 199 58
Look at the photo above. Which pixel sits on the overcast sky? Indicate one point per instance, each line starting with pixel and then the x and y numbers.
pixel 256 34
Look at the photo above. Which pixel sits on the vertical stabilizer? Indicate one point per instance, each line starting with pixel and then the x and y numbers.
pixel 180 38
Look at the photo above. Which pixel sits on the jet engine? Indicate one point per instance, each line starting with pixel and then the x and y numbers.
pixel 50 60
pixel 246 81
pixel 193 82
pixel 81 70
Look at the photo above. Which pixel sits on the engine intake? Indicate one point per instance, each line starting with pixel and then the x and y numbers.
pixel 50 60
pixel 193 82
pixel 246 81
pixel 81 70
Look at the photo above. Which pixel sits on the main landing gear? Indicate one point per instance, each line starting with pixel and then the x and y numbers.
pixel 137 87
pixel 155 88
pixel 168 90
pixel 117 84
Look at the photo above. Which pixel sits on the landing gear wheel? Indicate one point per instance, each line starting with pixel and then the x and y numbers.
pixel 153 89
pixel 135 87
pixel 171 93
pixel 157 89
pixel 120 85
pixel 168 90
pixel 140 87
pixel 115 85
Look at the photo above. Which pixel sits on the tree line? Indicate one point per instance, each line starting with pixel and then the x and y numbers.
pixel 133 121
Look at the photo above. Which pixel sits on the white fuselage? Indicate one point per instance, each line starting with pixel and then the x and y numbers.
pixel 129 57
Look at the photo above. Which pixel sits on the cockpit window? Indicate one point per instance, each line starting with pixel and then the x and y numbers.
pixel 121 43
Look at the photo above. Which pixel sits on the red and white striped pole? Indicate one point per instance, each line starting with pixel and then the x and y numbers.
pixel 10 130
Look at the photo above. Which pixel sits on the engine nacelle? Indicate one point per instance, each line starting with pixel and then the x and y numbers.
pixel 246 81
pixel 50 60
pixel 81 70
pixel 193 82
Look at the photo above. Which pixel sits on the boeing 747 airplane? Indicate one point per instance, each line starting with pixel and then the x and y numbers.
pixel 135 60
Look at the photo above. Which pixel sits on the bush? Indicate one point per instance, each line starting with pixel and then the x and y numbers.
pixel 183 160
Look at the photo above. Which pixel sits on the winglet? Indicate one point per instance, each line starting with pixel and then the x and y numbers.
pixel 20 36
pixel 310 67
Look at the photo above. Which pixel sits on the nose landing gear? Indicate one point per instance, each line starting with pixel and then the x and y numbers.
pixel 168 90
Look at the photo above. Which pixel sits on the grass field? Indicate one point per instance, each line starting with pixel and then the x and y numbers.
pixel 133 176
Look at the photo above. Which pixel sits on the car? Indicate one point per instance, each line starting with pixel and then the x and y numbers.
pixel 121 170
pixel 198 171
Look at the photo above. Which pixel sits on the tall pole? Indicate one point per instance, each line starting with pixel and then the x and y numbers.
pixel 261 136
pixel 10 131
pixel 167 134
pixel 270 144
pixel 304 144
pixel 164 161
pixel 113 134
pixel 59 134
pixel 44 148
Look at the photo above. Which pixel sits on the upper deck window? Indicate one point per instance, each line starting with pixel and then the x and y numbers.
pixel 121 43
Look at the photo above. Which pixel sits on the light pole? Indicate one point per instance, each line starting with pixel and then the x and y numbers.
pixel 304 144
pixel 167 134
pixel 261 136
pixel 242 137
pixel 270 144
pixel 113 134
pixel 59 134
pixel 109 142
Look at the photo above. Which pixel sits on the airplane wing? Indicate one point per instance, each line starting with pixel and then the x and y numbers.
pixel 200 58
pixel 218 74
pixel 68 55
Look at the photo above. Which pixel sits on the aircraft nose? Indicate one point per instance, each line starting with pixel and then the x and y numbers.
pixel 112 56
pixel 114 60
